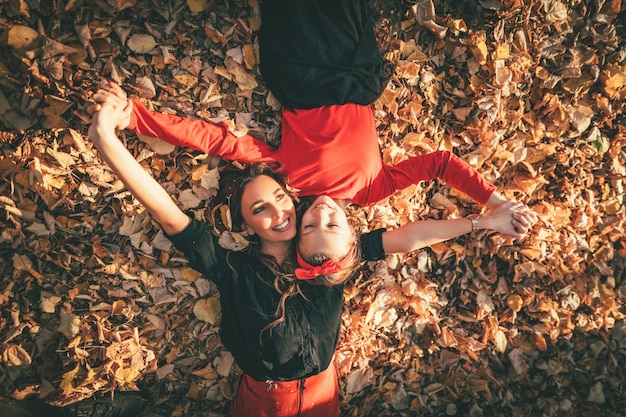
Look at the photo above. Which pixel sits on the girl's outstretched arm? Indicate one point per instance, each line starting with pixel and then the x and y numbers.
pixel 212 138
pixel 139 182
pixel 511 218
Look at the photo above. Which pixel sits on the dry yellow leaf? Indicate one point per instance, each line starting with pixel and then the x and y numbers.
pixel 197 6
pixel 187 80
pixel 225 216
pixel 190 274
pixel 15 355
pixel 479 51
pixel 67 380
pixel 502 51
pixel 19 36
pixel 249 58
pixel 126 375
pixel 215 35
pixel 198 171
pixel 206 373
pixel 118 307
pixel 207 310
pixel 515 302
pixel 613 80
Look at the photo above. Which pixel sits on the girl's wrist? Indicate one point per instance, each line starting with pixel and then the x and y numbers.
pixel 476 221
pixel 495 200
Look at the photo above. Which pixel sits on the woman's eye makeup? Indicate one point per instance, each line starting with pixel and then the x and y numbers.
pixel 257 210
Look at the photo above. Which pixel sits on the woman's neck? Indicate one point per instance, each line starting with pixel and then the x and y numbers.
pixel 278 250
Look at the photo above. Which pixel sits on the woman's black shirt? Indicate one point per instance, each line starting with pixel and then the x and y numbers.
pixel 302 345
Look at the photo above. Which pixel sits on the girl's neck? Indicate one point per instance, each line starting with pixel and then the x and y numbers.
pixel 342 203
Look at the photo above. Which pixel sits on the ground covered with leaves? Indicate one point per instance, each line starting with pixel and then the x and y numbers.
pixel 530 92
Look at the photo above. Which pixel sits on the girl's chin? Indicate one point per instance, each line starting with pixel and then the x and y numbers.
pixel 326 200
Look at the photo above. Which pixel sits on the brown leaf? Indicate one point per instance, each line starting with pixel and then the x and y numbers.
pixel 207 310
pixel 19 37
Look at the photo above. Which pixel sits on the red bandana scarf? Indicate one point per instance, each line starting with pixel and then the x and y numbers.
pixel 330 266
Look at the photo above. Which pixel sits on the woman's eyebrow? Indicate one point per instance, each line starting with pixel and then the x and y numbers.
pixel 261 201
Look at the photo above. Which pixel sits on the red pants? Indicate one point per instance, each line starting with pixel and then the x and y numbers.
pixel 315 396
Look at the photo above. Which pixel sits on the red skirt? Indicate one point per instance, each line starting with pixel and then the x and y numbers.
pixel 314 396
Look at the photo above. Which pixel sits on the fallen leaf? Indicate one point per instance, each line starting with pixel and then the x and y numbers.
pixel 19 37
pixel 141 43
pixel 207 310
pixel 69 324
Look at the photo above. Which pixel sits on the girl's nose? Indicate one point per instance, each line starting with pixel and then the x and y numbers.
pixel 320 216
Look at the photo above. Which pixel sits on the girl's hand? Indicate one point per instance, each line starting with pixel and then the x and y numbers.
pixel 511 218
pixel 524 219
pixel 115 96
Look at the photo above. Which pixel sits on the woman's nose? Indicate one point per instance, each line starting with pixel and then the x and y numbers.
pixel 276 212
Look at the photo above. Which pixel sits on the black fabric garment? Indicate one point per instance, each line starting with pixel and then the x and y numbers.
pixel 372 245
pixel 301 346
pixel 316 53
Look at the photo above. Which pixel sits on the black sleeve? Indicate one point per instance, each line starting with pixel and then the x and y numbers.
pixel 201 249
pixel 372 245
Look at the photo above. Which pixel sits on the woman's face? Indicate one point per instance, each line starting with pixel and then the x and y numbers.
pixel 268 211
pixel 325 229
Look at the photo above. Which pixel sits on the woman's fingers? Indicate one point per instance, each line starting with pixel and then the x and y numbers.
pixel 117 90
pixel 94 107
pixel 113 98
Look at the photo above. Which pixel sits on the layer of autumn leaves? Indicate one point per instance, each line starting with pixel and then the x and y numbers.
pixel 531 93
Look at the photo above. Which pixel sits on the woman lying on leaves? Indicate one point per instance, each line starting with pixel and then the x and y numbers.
pixel 281 322
pixel 320 58
pixel 281 315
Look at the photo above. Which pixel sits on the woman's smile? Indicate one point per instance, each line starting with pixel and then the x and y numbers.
pixel 284 226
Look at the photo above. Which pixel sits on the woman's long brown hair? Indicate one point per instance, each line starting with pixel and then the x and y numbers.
pixel 232 185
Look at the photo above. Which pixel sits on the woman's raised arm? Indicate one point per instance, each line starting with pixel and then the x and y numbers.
pixel 139 182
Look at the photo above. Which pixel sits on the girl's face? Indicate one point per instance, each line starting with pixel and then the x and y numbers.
pixel 268 211
pixel 325 229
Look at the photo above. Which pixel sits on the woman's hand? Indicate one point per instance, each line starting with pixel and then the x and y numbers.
pixel 109 109
pixel 106 116
pixel 115 96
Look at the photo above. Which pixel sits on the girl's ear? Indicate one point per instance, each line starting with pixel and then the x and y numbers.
pixel 248 229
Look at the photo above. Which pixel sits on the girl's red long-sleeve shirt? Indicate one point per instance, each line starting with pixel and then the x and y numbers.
pixel 330 150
